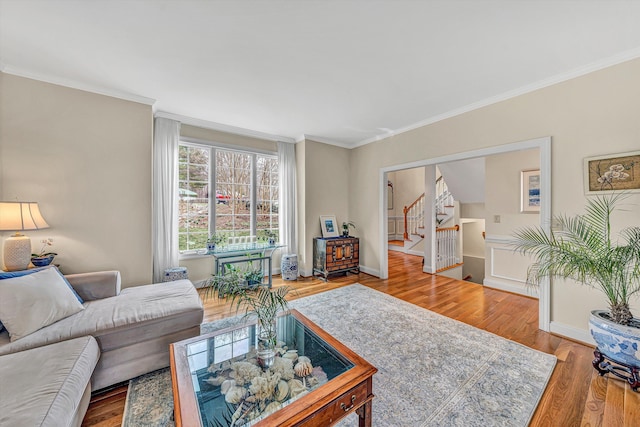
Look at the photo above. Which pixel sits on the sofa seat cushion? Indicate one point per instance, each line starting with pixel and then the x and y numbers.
pixel 137 314
pixel 44 386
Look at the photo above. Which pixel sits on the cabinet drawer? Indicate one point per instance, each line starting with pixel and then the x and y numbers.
pixel 338 408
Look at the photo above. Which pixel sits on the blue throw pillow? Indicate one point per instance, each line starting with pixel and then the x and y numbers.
pixel 10 274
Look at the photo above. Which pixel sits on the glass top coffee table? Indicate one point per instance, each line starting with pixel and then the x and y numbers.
pixel 315 380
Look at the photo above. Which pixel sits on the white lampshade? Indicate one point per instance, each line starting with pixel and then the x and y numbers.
pixel 19 216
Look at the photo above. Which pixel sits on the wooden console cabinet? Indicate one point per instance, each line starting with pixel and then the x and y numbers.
pixel 335 255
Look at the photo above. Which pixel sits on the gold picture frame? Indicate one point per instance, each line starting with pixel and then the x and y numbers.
pixel 612 173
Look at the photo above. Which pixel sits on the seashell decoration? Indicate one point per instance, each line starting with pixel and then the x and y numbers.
pixel 284 367
pixel 303 368
pixel 255 392
pixel 319 374
pixel 271 408
pixel 244 372
pixel 296 387
pixel 235 394
pixel 282 391
pixel 304 359
pixel 312 381
pixel 226 385
pixel 216 381
pixel 291 354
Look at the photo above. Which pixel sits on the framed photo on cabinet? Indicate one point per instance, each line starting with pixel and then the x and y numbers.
pixel 329 226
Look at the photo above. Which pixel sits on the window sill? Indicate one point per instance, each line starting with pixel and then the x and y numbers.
pixel 192 256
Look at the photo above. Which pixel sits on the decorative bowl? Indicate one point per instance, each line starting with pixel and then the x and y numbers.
pixel 41 261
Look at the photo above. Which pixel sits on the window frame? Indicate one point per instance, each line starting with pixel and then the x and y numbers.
pixel 212 147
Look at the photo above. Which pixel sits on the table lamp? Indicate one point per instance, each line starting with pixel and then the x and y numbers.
pixel 19 216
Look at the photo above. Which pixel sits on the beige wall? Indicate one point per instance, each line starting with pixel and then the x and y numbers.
pixel 210 135
pixel 502 191
pixel 591 115
pixel 408 184
pixel 505 269
pixel 326 192
pixel 86 158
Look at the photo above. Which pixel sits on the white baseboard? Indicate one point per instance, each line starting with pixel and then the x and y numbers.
pixel 199 284
pixel 412 252
pixel 581 335
pixel 305 273
pixel 505 286
pixel 370 271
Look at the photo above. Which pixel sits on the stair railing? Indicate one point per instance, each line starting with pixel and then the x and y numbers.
pixel 443 197
pixel 413 217
pixel 446 247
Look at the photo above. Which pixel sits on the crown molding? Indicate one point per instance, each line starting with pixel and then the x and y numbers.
pixel 323 140
pixel 21 72
pixel 224 128
pixel 559 78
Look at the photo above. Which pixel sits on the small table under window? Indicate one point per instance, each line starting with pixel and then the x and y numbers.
pixel 244 252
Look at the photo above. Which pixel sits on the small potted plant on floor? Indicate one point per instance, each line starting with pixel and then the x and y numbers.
pixel 582 248
pixel 345 228
pixel 43 258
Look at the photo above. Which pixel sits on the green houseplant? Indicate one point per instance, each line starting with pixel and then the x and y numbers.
pixel 582 248
pixel 268 236
pixel 260 302
pixel 345 227
pixel 216 239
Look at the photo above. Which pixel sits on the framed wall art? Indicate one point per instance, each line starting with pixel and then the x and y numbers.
pixel 329 226
pixel 530 191
pixel 613 172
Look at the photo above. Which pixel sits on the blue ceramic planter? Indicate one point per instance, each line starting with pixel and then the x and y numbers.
pixel 619 343
pixel 42 261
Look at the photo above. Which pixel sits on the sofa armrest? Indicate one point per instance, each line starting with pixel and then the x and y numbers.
pixel 97 285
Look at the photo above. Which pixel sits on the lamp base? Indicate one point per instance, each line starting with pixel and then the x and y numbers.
pixel 17 252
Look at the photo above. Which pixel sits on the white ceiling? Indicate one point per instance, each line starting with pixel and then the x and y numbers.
pixel 345 72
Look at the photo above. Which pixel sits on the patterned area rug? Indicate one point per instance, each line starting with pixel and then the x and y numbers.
pixel 432 370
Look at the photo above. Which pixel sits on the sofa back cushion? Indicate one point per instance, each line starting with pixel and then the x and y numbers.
pixel 31 302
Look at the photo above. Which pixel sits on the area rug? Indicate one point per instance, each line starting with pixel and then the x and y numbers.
pixel 432 370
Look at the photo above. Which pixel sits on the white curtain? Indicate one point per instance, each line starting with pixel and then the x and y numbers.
pixel 287 208
pixel 166 136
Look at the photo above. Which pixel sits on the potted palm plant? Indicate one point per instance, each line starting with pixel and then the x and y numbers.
pixel 260 302
pixel 582 248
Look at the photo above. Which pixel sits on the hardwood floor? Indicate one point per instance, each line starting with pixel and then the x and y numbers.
pixel 575 395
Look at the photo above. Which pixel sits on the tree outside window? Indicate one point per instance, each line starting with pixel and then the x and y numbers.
pixel 235 208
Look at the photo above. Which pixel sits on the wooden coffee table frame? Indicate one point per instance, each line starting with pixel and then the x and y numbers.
pixel 324 406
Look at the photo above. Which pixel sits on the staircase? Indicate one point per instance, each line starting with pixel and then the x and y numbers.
pixel 446 237
pixel 444 202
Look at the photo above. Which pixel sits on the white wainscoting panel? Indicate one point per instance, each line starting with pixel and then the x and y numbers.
pixel 509 265
pixel 391 227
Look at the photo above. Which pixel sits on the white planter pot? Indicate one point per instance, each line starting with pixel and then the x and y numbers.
pixel 619 343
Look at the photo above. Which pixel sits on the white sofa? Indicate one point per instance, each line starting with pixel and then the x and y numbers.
pixel 132 329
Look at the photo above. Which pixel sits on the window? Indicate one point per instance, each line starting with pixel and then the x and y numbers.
pixel 244 199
